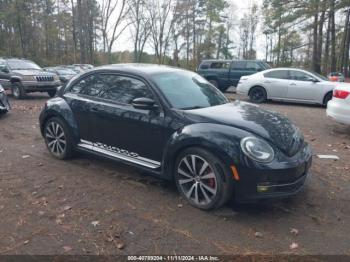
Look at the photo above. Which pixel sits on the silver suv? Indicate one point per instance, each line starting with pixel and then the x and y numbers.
pixel 24 76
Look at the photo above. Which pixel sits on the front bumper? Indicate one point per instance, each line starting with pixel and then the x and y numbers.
pixel 33 86
pixel 4 103
pixel 283 181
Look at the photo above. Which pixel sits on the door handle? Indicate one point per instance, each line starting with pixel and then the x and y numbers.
pixel 293 84
pixel 94 109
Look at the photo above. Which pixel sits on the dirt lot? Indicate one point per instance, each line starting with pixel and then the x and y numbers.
pixel 93 206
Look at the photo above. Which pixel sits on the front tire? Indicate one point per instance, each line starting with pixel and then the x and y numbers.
pixel 18 91
pixel 258 95
pixel 201 179
pixel 58 138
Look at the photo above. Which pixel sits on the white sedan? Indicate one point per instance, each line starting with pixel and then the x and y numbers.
pixel 287 84
pixel 339 107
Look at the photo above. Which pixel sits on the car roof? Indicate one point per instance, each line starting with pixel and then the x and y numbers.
pixel 141 69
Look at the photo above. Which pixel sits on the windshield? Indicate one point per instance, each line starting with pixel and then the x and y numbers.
pixel 22 64
pixel 187 90
pixel 319 76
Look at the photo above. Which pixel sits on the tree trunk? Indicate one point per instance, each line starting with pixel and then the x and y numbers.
pixel 333 36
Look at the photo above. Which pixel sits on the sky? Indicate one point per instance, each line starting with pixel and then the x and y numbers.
pixel 125 42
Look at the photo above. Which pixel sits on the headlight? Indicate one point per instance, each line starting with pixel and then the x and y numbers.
pixel 257 149
pixel 2 89
pixel 28 78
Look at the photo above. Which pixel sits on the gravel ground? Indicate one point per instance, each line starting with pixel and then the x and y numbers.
pixel 93 206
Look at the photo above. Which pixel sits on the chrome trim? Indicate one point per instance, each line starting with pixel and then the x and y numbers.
pixel 136 160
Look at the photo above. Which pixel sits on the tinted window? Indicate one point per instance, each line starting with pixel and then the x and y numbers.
pixel 253 66
pixel 187 90
pixel 204 66
pixel 239 65
pixel 299 76
pixel 90 85
pixel 123 89
pixel 279 74
pixel 219 65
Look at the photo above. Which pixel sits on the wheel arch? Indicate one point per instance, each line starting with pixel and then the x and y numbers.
pixel 58 107
pixel 324 97
pixel 15 80
pixel 226 148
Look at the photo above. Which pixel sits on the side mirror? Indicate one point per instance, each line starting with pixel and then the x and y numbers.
pixel 144 103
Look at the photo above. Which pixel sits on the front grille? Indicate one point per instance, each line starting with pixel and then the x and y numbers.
pixel 44 78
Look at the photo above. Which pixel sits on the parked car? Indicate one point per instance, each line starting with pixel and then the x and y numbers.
pixel 287 84
pixel 76 69
pixel 176 125
pixel 4 102
pixel 24 76
pixel 336 77
pixel 64 74
pixel 339 107
pixel 84 66
pixel 226 73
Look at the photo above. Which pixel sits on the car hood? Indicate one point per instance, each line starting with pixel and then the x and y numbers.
pixel 28 72
pixel 271 126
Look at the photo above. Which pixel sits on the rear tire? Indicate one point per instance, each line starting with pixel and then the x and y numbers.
pixel 58 138
pixel 202 181
pixel 258 95
pixel 327 98
pixel 18 91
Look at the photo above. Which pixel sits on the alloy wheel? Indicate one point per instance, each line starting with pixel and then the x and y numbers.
pixel 55 139
pixel 197 179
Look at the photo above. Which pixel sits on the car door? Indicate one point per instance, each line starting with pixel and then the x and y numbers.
pixel 127 130
pixel 237 70
pixel 303 86
pixel 222 71
pixel 81 98
pixel 276 83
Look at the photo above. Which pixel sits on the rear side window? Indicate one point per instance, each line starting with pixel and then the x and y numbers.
pixel 123 89
pixel 90 85
pixel 204 66
pixel 119 89
pixel 299 76
pixel 253 66
pixel 220 65
pixel 279 74
pixel 239 65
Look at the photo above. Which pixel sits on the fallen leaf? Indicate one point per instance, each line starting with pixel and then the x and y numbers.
pixel 120 245
pixel 258 234
pixel 25 156
pixel 293 245
pixel 65 208
pixel 95 223
pixel 180 205
pixel 294 231
pixel 67 248
pixel 26 242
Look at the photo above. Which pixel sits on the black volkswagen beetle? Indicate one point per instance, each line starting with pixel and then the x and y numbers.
pixel 176 125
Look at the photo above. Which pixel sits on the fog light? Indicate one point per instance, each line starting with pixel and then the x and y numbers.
pixel 263 188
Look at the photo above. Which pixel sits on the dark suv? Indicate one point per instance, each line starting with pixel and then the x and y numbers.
pixel 24 76
pixel 225 73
